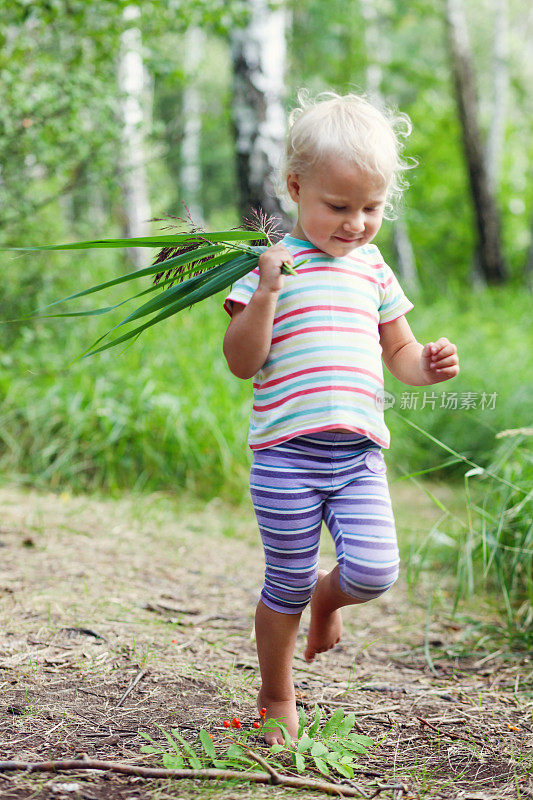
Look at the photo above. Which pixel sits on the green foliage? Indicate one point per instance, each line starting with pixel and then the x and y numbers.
pixel 334 747
pixel 494 390
pixel 496 550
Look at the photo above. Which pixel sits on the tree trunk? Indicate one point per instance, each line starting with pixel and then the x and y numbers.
pixel 374 78
pixel 258 54
pixel 501 85
pixel 191 173
pixel 134 181
pixel 490 256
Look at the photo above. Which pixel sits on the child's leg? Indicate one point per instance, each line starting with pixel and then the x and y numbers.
pixel 276 636
pixel 289 515
pixel 325 626
pixel 359 517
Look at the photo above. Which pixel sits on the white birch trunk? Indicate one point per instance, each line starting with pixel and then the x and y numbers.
pixel 259 56
pixel 374 45
pixel 133 159
pixel 501 86
pixel 190 173
pixel 489 254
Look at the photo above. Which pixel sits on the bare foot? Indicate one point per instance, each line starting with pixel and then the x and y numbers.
pixel 285 711
pixel 325 627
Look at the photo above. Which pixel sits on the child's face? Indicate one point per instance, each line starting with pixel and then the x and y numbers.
pixel 340 207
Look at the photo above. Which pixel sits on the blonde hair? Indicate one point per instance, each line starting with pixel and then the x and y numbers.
pixel 351 128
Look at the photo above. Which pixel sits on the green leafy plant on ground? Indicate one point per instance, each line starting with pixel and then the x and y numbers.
pixel 329 748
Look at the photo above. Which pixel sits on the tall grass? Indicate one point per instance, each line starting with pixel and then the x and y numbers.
pixel 166 413
pixel 496 550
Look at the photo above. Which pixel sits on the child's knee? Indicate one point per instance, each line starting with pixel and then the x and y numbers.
pixel 288 592
pixel 367 583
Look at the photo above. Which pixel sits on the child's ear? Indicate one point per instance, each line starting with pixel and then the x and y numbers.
pixel 293 186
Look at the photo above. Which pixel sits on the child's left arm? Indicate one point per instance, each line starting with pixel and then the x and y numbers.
pixel 413 363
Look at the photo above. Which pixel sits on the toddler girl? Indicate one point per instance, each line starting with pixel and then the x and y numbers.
pixel 313 343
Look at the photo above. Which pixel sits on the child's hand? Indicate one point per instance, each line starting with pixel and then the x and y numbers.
pixel 439 361
pixel 270 264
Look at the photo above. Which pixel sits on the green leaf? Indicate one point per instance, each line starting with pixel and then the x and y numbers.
pixel 316 723
pixel 147 748
pixel 170 740
pixel 354 747
pixel 299 762
pixel 305 744
pixel 346 725
pixel 302 722
pixel 271 724
pixel 235 751
pixel 177 261
pixel 319 749
pixel 215 285
pixel 277 748
pixel 360 739
pixel 172 761
pixel 152 241
pixel 285 733
pixel 207 743
pixel 194 761
pixel 321 766
pixel 345 771
pixel 346 758
pixel 333 723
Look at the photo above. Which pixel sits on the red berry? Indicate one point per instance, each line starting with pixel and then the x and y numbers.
pixel 257 724
pixel 236 722
pixel 263 712
pixel 227 723
pixel 174 641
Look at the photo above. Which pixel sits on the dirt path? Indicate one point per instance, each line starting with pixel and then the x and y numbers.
pixel 95 592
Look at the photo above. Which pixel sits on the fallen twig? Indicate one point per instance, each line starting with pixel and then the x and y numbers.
pixel 209 774
pixel 396 787
pixel 449 734
pixel 132 686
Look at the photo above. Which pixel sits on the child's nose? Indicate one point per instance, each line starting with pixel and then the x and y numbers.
pixel 355 223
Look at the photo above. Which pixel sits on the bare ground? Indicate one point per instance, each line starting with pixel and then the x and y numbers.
pixel 97 592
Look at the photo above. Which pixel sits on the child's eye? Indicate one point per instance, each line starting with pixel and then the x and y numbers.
pixel 371 209
pixel 337 208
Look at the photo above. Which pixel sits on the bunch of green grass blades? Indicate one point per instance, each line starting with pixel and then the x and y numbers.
pixel 190 267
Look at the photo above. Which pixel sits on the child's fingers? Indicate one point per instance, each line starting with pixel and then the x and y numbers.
pixel 444 362
pixel 442 349
pixel 448 372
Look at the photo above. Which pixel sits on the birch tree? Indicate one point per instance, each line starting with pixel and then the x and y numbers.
pixel 374 78
pixel 191 173
pixel 487 219
pixel 133 157
pixel 259 55
pixel 500 83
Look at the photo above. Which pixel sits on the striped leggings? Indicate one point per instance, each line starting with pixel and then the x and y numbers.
pixel 332 476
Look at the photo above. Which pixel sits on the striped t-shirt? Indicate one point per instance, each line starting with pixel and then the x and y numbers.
pixel 324 367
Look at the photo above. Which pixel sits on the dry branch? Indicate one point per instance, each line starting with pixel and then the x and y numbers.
pixel 274 777
pixel 132 686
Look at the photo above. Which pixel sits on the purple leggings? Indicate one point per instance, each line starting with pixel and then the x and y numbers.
pixel 332 476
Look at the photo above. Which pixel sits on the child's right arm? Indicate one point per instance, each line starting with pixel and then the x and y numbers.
pixel 249 334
